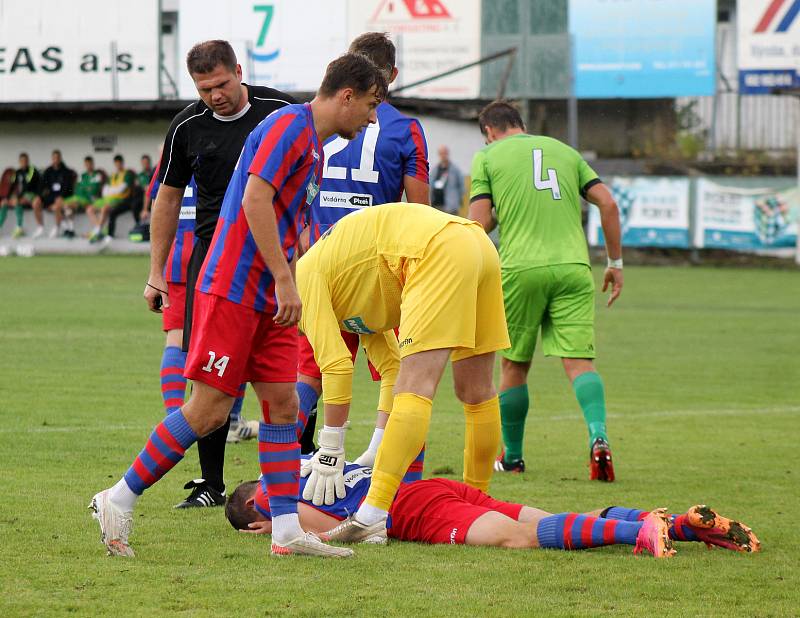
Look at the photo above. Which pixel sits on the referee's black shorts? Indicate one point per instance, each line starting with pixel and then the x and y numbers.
pixel 199 252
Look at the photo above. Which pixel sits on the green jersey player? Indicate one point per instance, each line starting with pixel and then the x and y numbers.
pixel 531 186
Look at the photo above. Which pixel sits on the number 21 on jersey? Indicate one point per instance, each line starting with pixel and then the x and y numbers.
pixel 552 178
pixel 364 171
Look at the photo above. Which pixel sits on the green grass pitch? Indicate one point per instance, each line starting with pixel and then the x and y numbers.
pixel 703 382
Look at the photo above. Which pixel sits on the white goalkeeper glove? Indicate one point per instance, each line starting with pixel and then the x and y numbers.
pixel 326 470
pixel 367 458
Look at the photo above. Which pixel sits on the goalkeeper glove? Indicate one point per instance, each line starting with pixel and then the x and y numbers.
pixel 326 470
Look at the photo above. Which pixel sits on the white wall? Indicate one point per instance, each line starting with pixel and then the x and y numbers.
pixel 74 139
pixel 463 138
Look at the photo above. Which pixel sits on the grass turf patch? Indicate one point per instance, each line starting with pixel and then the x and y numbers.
pixel 702 382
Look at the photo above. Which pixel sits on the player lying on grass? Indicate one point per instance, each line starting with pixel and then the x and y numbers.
pixel 444 511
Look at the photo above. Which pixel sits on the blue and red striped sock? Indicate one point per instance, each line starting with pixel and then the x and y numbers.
pixel 173 384
pixel 625 514
pixel 679 530
pixel 279 459
pixel 236 408
pixel 575 531
pixel 165 448
pixel 414 472
pixel 308 399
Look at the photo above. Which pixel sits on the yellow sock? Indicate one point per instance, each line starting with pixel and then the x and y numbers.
pixel 481 441
pixel 402 440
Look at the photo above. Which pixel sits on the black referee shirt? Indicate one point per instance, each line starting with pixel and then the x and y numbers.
pixel 205 145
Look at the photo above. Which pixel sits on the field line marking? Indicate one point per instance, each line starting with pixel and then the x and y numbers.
pixel 556 418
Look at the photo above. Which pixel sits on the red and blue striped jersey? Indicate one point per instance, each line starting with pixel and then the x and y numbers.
pixel 181 249
pixel 285 151
pixel 369 170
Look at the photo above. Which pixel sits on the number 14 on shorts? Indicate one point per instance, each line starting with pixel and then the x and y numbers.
pixel 216 363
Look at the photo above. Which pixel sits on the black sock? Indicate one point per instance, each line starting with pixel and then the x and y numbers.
pixel 211 451
pixel 307 439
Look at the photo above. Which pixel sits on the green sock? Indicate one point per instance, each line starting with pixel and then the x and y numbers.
pixel 513 410
pixel 592 399
pixel 3 213
pixel 20 214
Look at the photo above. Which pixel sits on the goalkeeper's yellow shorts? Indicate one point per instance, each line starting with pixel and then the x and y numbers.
pixel 453 296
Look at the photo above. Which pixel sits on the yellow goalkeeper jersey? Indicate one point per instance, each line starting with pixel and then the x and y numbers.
pixel 352 279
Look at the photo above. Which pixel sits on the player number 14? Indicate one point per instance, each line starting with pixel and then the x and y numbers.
pixel 214 363
pixel 552 178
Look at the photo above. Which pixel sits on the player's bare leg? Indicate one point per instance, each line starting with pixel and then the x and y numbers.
pixel 590 393
pixel 38 213
pixel 279 458
pixel 472 378
pixel 58 212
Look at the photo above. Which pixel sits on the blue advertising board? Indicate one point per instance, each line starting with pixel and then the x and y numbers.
pixel 643 48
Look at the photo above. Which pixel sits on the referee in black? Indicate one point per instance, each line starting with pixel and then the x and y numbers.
pixel 204 140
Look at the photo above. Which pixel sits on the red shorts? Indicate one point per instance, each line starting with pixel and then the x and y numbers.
pixel 307 366
pixel 172 316
pixel 441 511
pixel 232 344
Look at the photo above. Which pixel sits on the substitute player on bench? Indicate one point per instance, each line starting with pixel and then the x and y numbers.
pixel 534 185
pixel 247 306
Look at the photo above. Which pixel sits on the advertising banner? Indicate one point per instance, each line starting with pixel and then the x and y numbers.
pixel 745 219
pixel 93 50
pixel 643 48
pixel 280 43
pixel 432 36
pixel 654 212
pixel 768 45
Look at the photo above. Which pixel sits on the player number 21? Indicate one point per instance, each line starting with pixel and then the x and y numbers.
pixel 213 363
pixel 552 178
pixel 364 171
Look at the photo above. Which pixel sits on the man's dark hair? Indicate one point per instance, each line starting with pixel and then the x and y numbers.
pixel 377 47
pixel 208 55
pixel 236 509
pixel 119 158
pixel 500 115
pixel 146 156
pixel 56 151
pixel 353 71
pixel 89 158
pixel 24 154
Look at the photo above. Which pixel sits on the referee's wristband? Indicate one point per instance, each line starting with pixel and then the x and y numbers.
pixel 615 263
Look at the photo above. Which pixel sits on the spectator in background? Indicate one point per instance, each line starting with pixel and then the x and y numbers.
pixel 118 189
pixel 24 192
pixel 87 191
pixel 136 201
pixel 57 182
pixel 447 184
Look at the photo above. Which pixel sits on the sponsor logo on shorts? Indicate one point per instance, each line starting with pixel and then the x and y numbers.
pixel 188 212
pixel 406 341
pixel 339 199
pixel 356 325
pixel 453 534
